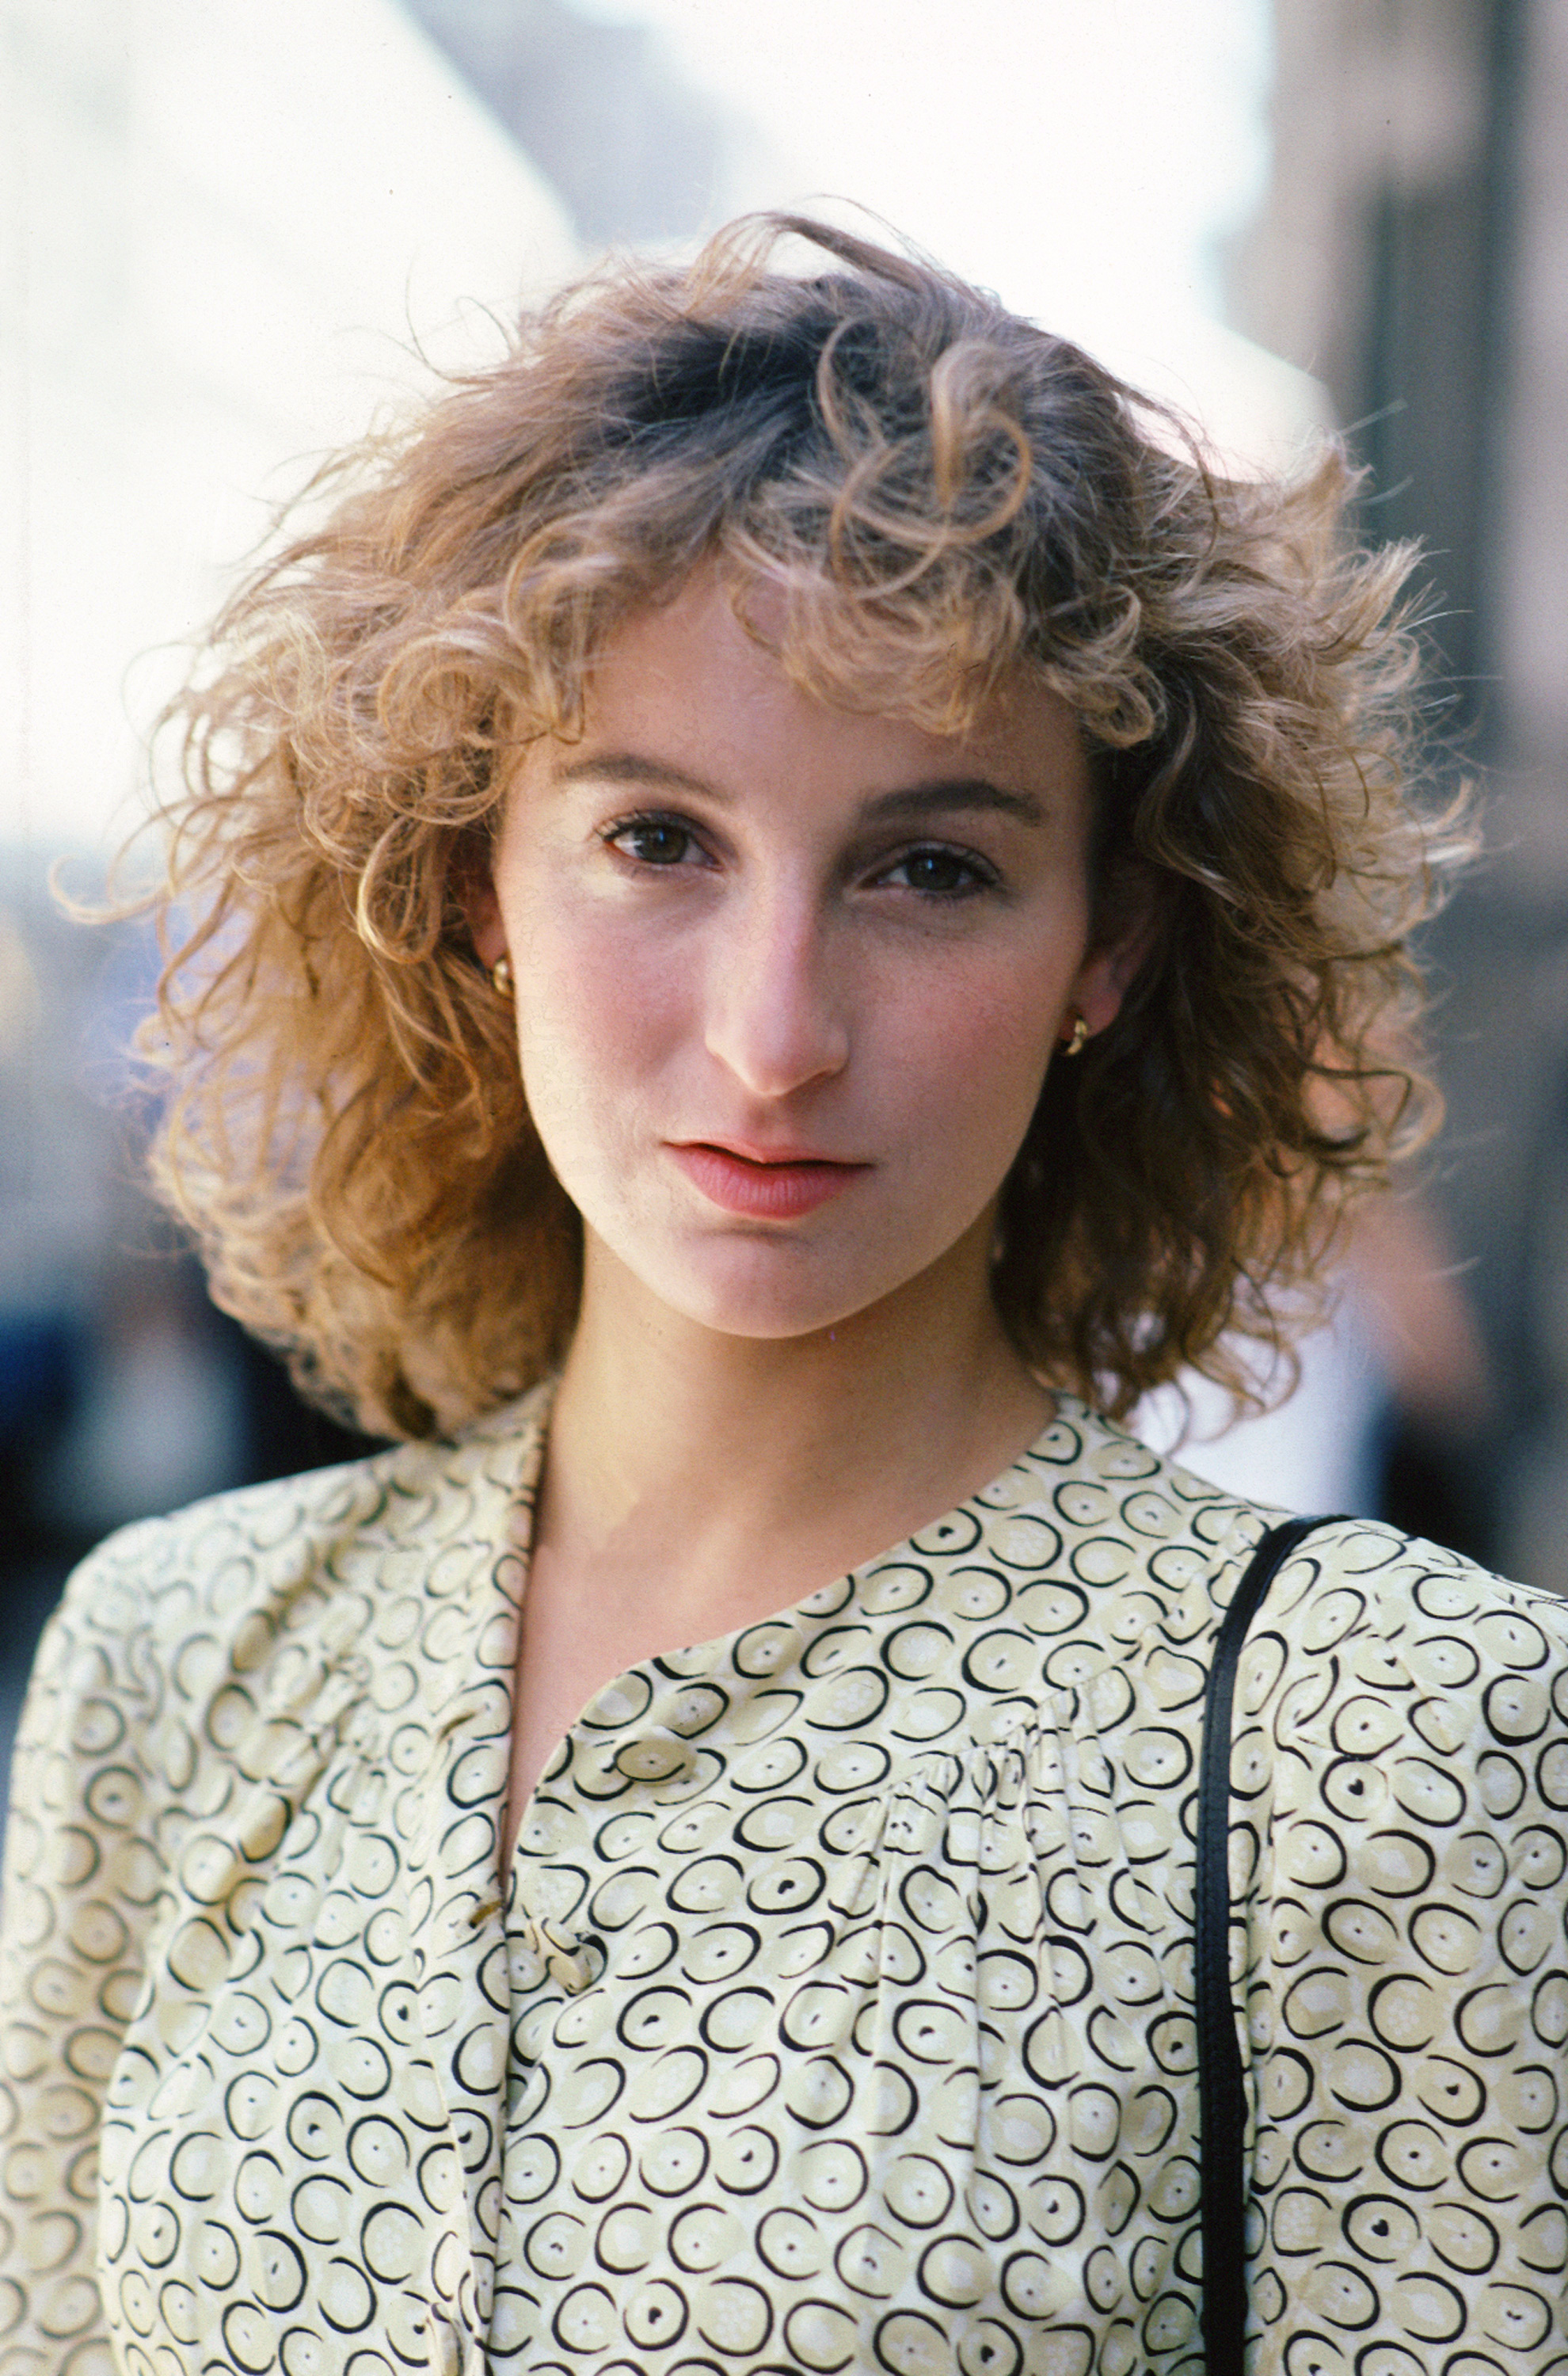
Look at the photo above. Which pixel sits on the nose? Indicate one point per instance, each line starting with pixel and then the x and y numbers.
pixel 776 1013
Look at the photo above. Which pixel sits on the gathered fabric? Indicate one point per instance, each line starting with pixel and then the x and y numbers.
pixel 836 2012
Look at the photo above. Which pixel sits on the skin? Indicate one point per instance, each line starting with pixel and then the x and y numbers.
pixel 738 916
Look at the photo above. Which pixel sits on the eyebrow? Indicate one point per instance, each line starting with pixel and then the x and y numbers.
pixel 941 795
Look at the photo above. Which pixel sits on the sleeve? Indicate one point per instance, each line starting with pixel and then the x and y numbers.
pixel 82 1879
pixel 1402 1730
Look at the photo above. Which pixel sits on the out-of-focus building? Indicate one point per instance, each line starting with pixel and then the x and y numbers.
pixel 1413 254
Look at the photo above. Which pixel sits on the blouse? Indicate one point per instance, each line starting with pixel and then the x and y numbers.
pixel 836 2011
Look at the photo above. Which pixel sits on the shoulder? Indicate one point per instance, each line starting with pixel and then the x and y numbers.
pixel 1346 1576
pixel 301 1566
pixel 1356 1611
pixel 1408 1703
pixel 1417 1638
pixel 1442 1620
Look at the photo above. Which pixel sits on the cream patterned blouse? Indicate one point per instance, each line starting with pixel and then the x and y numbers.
pixel 837 2013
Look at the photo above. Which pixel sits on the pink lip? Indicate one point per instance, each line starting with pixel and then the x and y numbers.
pixel 775 1186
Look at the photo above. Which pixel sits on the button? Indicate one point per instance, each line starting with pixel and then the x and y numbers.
pixel 573 1959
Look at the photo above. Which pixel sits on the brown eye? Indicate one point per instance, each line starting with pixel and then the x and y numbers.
pixel 940 873
pixel 652 841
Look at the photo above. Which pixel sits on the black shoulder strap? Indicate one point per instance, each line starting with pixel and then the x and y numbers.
pixel 1222 2106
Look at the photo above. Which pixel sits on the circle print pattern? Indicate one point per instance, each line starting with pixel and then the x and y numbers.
pixel 835 2014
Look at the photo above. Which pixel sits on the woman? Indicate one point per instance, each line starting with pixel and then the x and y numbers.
pixel 790 903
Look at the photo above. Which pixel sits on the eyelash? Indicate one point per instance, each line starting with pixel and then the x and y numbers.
pixel 982 877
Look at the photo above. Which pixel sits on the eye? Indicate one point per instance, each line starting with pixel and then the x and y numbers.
pixel 940 873
pixel 653 840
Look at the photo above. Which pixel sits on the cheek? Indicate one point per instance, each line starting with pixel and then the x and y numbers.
pixel 591 1013
pixel 978 1047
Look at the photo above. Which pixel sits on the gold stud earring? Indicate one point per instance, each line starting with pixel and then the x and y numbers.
pixel 1077 1040
pixel 501 977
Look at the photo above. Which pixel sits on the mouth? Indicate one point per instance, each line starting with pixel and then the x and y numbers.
pixel 772 1185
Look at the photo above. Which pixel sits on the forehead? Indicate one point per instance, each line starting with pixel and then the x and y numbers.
pixel 688 677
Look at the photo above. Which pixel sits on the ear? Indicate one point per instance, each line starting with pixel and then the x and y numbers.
pixel 1103 979
pixel 474 884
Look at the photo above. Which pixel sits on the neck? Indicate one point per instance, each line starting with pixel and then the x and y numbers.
pixel 715 1453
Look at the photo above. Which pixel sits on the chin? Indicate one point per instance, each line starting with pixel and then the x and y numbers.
pixel 766 1292
pixel 771 1318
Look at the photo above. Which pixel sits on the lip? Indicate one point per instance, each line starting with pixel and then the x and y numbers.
pixel 772 1184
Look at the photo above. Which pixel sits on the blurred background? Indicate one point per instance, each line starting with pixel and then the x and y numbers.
pixel 231 233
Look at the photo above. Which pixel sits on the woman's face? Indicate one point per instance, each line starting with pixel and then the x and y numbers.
pixel 787 977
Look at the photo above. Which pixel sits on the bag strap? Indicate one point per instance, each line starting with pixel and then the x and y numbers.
pixel 1222 2104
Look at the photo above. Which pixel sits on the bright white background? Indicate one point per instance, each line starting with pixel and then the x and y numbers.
pixel 221 224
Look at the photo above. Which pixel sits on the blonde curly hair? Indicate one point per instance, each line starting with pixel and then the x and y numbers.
pixel 943 494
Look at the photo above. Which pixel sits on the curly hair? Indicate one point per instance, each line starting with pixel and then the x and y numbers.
pixel 943 494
